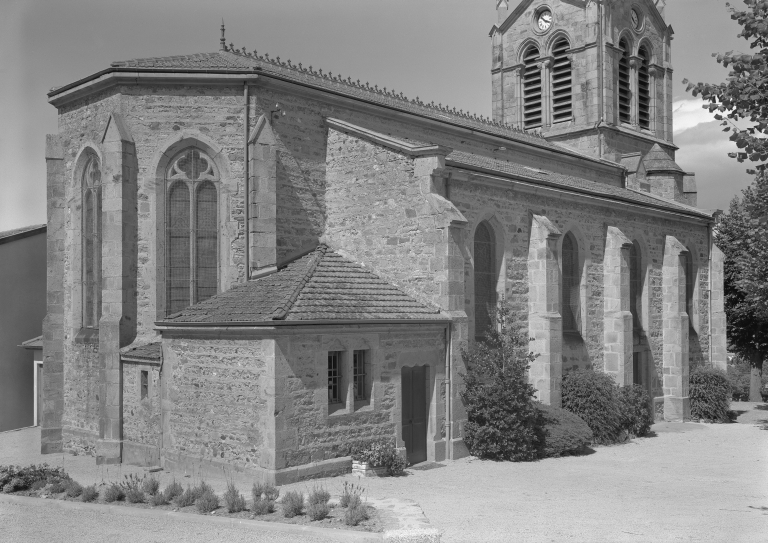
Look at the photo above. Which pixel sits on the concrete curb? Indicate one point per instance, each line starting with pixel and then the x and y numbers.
pixel 407 522
pixel 260 525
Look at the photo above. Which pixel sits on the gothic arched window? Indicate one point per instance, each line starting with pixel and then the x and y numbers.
pixel 531 88
pixel 191 231
pixel 635 285
pixel 91 239
pixel 562 100
pixel 485 279
pixel 690 285
pixel 571 285
pixel 644 90
pixel 624 90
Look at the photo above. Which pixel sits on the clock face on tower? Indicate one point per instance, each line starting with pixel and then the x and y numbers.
pixel 636 22
pixel 544 20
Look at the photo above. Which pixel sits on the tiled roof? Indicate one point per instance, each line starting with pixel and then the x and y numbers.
pixel 657 160
pixel 34 343
pixel 463 159
pixel 151 352
pixel 10 235
pixel 239 60
pixel 321 285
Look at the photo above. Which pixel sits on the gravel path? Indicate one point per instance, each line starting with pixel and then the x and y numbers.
pixel 690 482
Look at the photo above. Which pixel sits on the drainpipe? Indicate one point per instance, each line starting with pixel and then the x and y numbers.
pixel 709 288
pixel 600 76
pixel 448 395
pixel 247 196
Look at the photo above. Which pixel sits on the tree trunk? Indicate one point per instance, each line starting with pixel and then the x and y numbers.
pixel 755 378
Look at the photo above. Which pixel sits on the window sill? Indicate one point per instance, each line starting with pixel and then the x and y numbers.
pixel 337 409
pixel 363 405
pixel 87 336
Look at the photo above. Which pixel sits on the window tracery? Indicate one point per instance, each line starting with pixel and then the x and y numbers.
pixel 91 242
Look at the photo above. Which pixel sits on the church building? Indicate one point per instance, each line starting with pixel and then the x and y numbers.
pixel 254 264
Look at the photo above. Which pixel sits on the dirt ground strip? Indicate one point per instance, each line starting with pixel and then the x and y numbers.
pixel 687 482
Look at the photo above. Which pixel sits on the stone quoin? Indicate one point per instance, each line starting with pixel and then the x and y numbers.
pixel 254 265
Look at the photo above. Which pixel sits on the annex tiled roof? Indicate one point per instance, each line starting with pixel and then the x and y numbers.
pixel 657 160
pixel 233 59
pixel 17 233
pixel 34 344
pixel 321 285
pixel 464 159
pixel 152 352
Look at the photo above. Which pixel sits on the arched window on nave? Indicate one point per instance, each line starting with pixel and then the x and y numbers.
pixel 485 279
pixel 571 285
pixel 91 243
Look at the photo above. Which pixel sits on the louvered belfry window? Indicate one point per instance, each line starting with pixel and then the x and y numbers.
pixel 571 285
pixel 562 100
pixel 191 230
pixel 531 88
pixel 624 90
pixel 485 280
pixel 91 236
pixel 635 285
pixel 644 90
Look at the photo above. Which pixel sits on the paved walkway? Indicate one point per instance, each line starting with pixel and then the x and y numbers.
pixel 691 482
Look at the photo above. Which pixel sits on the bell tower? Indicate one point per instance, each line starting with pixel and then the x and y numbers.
pixel 593 76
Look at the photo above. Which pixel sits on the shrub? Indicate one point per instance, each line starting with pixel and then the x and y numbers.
pixel 26 476
pixel 135 495
pixel 636 410
pixel 318 495
pixel 172 490
pixel 158 499
pixel 114 493
pixel 396 465
pixel 710 393
pixel 267 491
pixel 356 512
pixel 15 484
pixel 349 491
pixel 186 498
pixel 262 507
pixel 292 504
pixel 38 485
pixel 379 453
pixel 503 422
pixel 233 499
pixel 318 511
pixel 207 502
pixel 89 494
pixel 58 485
pixel 150 486
pixel 565 432
pixel 740 375
pixel 74 489
pixel 594 397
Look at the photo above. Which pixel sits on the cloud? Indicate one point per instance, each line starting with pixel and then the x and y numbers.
pixel 689 114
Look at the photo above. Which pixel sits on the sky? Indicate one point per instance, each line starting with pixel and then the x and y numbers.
pixel 434 49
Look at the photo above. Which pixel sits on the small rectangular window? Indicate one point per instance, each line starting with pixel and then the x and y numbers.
pixel 358 370
pixel 334 377
pixel 144 384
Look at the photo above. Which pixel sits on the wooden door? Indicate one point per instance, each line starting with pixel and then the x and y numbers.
pixel 414 422
pixel 39 399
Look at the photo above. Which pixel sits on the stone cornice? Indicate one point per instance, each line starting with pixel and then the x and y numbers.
pixel 387 141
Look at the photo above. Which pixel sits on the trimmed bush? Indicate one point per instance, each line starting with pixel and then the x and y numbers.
pixel 710 394
pixel 234 501
pixel 74 489
pixel 89 494
pixel 566 433
pixel 503 421
pixel 292 504
pixel 114 493
pixel 594 397
pixel 150 486
pixel 207 502
pixel 172 490
pixel 636 410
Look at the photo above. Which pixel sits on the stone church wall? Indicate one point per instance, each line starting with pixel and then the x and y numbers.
pixel 141 416
pixel 81 398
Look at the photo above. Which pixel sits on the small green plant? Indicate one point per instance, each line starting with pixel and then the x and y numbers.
pixel 150 486
pixel 186 498
pixel 158 499
pixel 636 410
pixel 74 489
pixel 264 490
pixel 114 493
pixel 710 394
pixel 58 485
pixel 349 490
pixel 135 495
pixel 318 495
pixel 38 485
pixel 292 504
pixel 89 494
pixel 262 507
pixel 172 490
pixel 233 499
pixel 356 511
pixel 318 511
pixel 379 453
pixel 207 502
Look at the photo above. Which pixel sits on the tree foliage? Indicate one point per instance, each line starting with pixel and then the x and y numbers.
pixel 503 420
pixel 742 235
pixel 744 94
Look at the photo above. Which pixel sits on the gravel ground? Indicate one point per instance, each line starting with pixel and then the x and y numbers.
pixel 689 482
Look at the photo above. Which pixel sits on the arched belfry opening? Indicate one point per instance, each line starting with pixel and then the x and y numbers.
pixel 625 92
pixel 485 279
pixel 644 89
pixel 562 94
pixel 532 112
